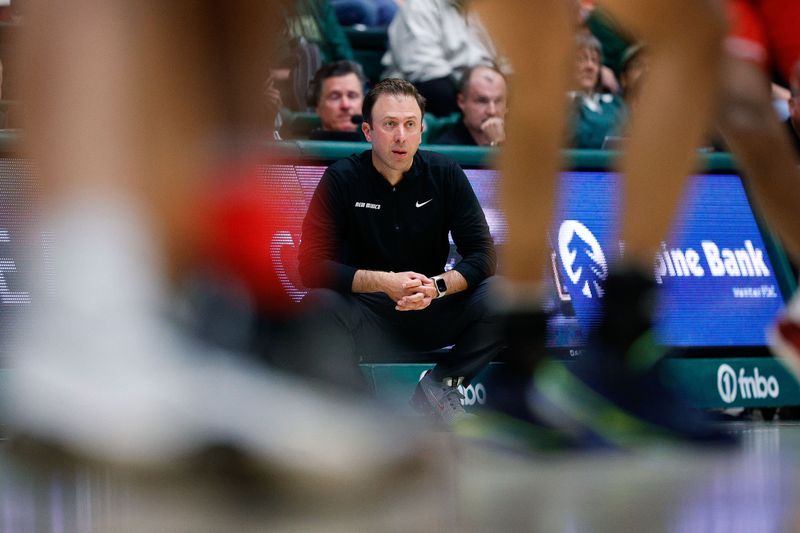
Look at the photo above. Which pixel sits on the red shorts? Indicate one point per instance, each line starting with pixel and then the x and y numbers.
pixel 766 32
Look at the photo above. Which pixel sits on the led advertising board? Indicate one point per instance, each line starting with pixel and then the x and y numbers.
pixel 719 285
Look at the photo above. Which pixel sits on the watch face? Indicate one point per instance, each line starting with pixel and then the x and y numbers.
pixel 441 286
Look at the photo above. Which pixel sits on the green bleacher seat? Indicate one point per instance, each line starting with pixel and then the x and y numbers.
pixel 298 124
pixel 369 45
pixel 435 126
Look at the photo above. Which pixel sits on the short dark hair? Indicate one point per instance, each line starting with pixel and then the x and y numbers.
pixel 332 70
pixel 463 87
pixel 394 87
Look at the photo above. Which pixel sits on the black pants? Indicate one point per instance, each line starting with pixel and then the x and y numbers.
pixel 368 324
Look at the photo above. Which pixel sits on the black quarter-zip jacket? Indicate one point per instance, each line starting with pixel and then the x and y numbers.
pixel 357 220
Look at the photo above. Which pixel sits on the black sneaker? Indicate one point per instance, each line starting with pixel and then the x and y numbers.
pixel 508 420
pixel 617 389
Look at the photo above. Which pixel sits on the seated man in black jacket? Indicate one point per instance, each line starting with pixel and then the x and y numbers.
pixel 482 100
pixel 375 244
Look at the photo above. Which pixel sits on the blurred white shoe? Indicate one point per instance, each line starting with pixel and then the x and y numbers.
pixel 101 370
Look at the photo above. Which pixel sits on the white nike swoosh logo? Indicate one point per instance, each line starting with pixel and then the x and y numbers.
pixel 423 203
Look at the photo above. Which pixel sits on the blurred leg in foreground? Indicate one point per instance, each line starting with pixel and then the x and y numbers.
pixel 611 395
pixel 537 39
pixel 764 37
pixel 132 105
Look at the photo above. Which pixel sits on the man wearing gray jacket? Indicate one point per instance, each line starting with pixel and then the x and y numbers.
pixel 431 43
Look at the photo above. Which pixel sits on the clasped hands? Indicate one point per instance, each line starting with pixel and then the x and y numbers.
pixel 410 291
pixel 495 130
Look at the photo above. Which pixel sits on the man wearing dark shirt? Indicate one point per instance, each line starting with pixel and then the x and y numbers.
pixel 482 101
pixel 336 93
pixel 375 244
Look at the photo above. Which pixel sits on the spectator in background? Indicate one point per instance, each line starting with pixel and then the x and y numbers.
pixel 482 99
pixel 596 115
pixel 431 43
pixel 336 94
pixel 272 107
pixel 613 40
pixel 366 12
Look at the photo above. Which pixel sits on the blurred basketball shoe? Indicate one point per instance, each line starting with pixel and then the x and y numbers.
pixel 613 396
pixel 617 390
pixel 101 370
pixel 508 420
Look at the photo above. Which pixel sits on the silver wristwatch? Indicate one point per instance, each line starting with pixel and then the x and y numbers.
pixel 440 284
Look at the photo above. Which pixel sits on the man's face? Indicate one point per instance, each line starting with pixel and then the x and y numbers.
pixel 587 69
pixel 395 133
pixel 485 98
pixel 340 99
